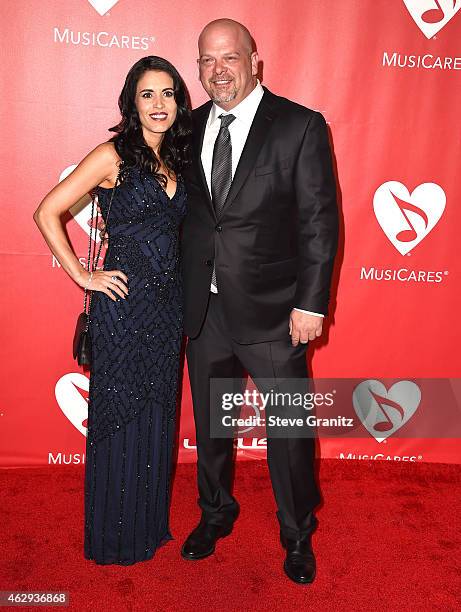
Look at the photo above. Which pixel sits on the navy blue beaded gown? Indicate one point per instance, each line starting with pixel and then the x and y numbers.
pixel 134 375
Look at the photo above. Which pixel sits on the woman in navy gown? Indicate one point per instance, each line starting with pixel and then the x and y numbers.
pixel 136 312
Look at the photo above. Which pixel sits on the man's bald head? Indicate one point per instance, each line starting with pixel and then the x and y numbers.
pixel 228 62
pixel 239 30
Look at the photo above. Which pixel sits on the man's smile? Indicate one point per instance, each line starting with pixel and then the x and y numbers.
pixel 221 82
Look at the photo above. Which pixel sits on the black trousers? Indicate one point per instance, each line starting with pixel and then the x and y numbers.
pixel 213 354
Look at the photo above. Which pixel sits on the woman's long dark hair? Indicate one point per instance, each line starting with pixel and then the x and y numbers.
pixel 129 141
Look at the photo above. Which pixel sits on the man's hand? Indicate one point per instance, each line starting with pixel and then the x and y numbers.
pixel 104 236
pixel 101 226
pixel 304 327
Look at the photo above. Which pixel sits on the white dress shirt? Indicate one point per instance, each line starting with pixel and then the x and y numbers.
pixel 244 114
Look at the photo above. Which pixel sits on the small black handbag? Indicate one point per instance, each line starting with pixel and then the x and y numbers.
pixel 82 338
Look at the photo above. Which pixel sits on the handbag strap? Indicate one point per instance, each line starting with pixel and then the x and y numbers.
pixel 91 267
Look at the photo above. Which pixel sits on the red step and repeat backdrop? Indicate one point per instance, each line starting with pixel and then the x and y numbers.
pixel 386 75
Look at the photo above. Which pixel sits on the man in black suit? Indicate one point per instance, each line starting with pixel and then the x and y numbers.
pixel 258 243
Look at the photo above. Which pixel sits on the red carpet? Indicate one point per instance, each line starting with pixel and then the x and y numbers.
pixel 389 539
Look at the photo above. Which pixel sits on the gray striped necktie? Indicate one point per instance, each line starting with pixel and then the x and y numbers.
pixel 221 169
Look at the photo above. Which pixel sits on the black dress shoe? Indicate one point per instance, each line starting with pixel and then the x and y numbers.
pixel 202 541
pixel 299 563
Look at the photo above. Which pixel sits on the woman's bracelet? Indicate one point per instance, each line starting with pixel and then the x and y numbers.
pixel 89 281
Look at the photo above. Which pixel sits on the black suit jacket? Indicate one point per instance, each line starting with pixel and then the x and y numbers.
pixel 275 241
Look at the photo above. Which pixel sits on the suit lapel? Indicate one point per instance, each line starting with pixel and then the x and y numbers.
pixel 200 119
pixel 256 137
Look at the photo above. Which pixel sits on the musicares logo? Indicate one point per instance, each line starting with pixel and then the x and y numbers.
pixel 406 218
pixel 71 393
pixel 432 15
pixel 102 6
pixel 382 411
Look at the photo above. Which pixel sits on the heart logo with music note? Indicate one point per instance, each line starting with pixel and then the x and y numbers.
pixel 71 391
pixel 406 218
pixel 381 411
pixel 81 211
pixel 432 15
pixel 102 6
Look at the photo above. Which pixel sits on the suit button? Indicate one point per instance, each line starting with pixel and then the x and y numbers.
pixel 208 262
pixel 218 228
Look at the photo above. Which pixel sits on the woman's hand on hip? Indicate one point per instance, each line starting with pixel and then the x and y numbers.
pixel 106 281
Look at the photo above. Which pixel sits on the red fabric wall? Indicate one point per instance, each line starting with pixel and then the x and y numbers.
pixel 386 75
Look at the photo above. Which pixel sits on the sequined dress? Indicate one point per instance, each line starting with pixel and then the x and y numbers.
pixel 134 375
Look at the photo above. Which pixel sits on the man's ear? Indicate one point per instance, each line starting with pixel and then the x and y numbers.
pixel 254 63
